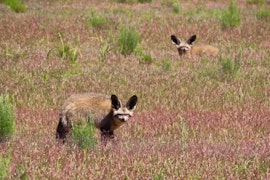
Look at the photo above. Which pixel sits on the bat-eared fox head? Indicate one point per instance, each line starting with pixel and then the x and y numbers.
pixel 123 112
pixel 183 46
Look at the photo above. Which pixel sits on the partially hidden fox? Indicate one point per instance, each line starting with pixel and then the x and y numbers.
pixel 107 113
pixel 187 48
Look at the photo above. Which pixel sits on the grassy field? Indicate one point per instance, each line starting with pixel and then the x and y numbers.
pixel 197 118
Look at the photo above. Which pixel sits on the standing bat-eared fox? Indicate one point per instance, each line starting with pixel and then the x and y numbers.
pixel 106 113
pixel 186 47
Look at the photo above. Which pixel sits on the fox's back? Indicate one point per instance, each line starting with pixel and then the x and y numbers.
pixel 85 106
pixel 187 48
pixel 204 50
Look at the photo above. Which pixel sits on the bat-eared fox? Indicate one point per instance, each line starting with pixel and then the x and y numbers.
pixel 107 113
pixel 186 47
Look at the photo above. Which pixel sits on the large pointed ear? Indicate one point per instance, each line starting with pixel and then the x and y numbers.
pixel 191 39
pixel 131 103
pixel 175 40
pixel 116 103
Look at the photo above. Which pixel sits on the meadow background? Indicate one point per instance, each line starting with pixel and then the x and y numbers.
pixel 200 118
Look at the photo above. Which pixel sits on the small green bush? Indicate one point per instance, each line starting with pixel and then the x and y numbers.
pixel 125 1
pixel 128 39
pixel 15 5
pixel 229 66
pixel 176 7
pixel 7 118
pixel 144 1
pixel 166 65
pixel 257 2
pixel 230 17
pixel 146 58
pixel 84 135
pixel 263 13
pixel 96 21
pixel 67 53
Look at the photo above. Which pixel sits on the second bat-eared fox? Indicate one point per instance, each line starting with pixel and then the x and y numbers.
pixel 187 48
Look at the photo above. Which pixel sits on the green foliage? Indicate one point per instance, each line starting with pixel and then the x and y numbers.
pixel 229 66
pixel 4 166
pixel 66 52
pixel 263 13
pixel 22 172
pixel 122 1
pixel 96 21
pixel 15 5
pixel 7 118
pixel 230 17
pixel 158 176
pixel 146 58
pixel 104 48
pixel 128 39
pixel 166 65
pixel 13 53
pixel 125 1
pixel 183 134
pixel 83 135
pixel 176 7
pixel 257 2
pixel 144 1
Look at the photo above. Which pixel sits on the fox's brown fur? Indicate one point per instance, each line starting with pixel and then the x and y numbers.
pixel 186 48
pixel 107 113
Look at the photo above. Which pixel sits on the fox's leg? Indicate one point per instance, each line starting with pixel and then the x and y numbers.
pixel 62 131
pixel 106 136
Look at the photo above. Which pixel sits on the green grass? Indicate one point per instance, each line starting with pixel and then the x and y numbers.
pixel 146 58
pixel 96 21
pixel 104 49
pixel 229 66
pixel 66 52
pixel 16 5
pixel 176 7
pixel 7 118
pixel 166 64
pixel 257 2
pixel 125 1
pixel 144 1
pixel 230 17
pixel 128 38
pixel 183 135
pixel 5 163
pixel 263 13
pixel 84 136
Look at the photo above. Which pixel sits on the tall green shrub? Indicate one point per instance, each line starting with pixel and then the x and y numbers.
pixel 7 118
pixel 84 135
pixel 96 21
pixel 128 39
pixel 230 17
pixel 263 13
pixel 15 5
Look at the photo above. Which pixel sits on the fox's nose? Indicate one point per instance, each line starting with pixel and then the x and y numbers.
pixel 122 119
